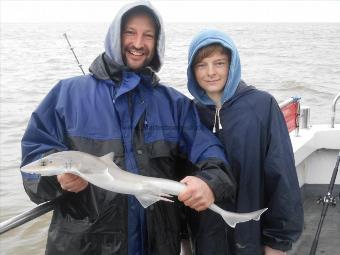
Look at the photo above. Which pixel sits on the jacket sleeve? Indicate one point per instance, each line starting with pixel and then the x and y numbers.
pixel 206 152
pixel 44 135
pixel 283 222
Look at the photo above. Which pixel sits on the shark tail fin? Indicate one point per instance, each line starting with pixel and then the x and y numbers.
pixel 148 199
pixel 233 218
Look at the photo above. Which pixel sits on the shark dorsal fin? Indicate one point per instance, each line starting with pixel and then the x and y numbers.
pixel 108 158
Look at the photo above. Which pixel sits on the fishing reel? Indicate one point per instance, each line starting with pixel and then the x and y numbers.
pixel 327 199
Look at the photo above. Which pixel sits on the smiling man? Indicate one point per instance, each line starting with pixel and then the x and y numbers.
pixel 138 40
pixel 152 129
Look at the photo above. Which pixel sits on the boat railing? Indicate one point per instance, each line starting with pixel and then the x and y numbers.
pixel 334 109
pixel 291 112
pixel 29 215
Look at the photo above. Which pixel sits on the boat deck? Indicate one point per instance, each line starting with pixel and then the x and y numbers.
pixel 329 240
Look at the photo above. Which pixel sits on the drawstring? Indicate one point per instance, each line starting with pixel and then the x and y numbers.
pixel 217 119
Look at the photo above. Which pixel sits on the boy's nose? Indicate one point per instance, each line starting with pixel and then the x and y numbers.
pixel 211 70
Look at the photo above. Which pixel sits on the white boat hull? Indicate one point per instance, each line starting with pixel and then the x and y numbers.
pixel 315 151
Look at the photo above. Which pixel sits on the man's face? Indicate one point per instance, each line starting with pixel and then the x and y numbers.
pixel 138 41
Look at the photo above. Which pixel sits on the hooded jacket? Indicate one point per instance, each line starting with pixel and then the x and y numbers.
pixel 253 132
pixel 152 129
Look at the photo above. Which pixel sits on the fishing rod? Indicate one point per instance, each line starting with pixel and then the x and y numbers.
pixel 29 215
pixel 327 200
pixel 74 54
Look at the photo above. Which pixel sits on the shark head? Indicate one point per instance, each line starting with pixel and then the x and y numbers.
pixel 75 162
pixel 52 164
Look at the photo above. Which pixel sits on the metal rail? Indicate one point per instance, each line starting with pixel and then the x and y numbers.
pixel 27 216
pixel 334 109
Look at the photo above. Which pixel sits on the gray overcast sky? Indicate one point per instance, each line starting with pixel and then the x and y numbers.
pixel 174 11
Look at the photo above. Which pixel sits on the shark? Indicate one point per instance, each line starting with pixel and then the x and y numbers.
pixel 104 173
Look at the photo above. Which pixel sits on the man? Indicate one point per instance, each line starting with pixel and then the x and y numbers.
pixel 152 129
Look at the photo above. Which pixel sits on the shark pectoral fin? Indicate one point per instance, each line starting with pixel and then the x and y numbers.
pixel 149 199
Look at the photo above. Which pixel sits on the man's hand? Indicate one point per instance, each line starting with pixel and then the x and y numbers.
pixel 197 194
pixel 71 182
pixel 271 251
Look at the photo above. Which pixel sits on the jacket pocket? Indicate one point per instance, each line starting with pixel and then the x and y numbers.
pixel 75 237
pixel 102 235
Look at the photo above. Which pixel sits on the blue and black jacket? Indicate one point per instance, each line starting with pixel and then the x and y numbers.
pixel 252 129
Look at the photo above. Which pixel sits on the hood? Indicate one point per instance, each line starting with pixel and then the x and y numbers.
pixel 113 43
pixel 202 39
pixel 104 68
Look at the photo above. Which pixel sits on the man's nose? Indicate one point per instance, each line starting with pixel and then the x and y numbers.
pixel 138 41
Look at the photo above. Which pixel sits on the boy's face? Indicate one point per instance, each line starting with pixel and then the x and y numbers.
pixel 138 41
pixel 212 73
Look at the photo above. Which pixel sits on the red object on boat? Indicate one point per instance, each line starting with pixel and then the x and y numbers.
pixel 291 115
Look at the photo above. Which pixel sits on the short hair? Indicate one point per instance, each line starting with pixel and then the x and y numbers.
pixel 144 10
pixel 207 51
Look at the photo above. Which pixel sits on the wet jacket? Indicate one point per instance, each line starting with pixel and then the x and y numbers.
pixel 152 129
pixel 252 129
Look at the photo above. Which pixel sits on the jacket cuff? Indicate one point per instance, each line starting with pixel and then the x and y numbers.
pixel 218 176
pixel 277 244
pixel 42 189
